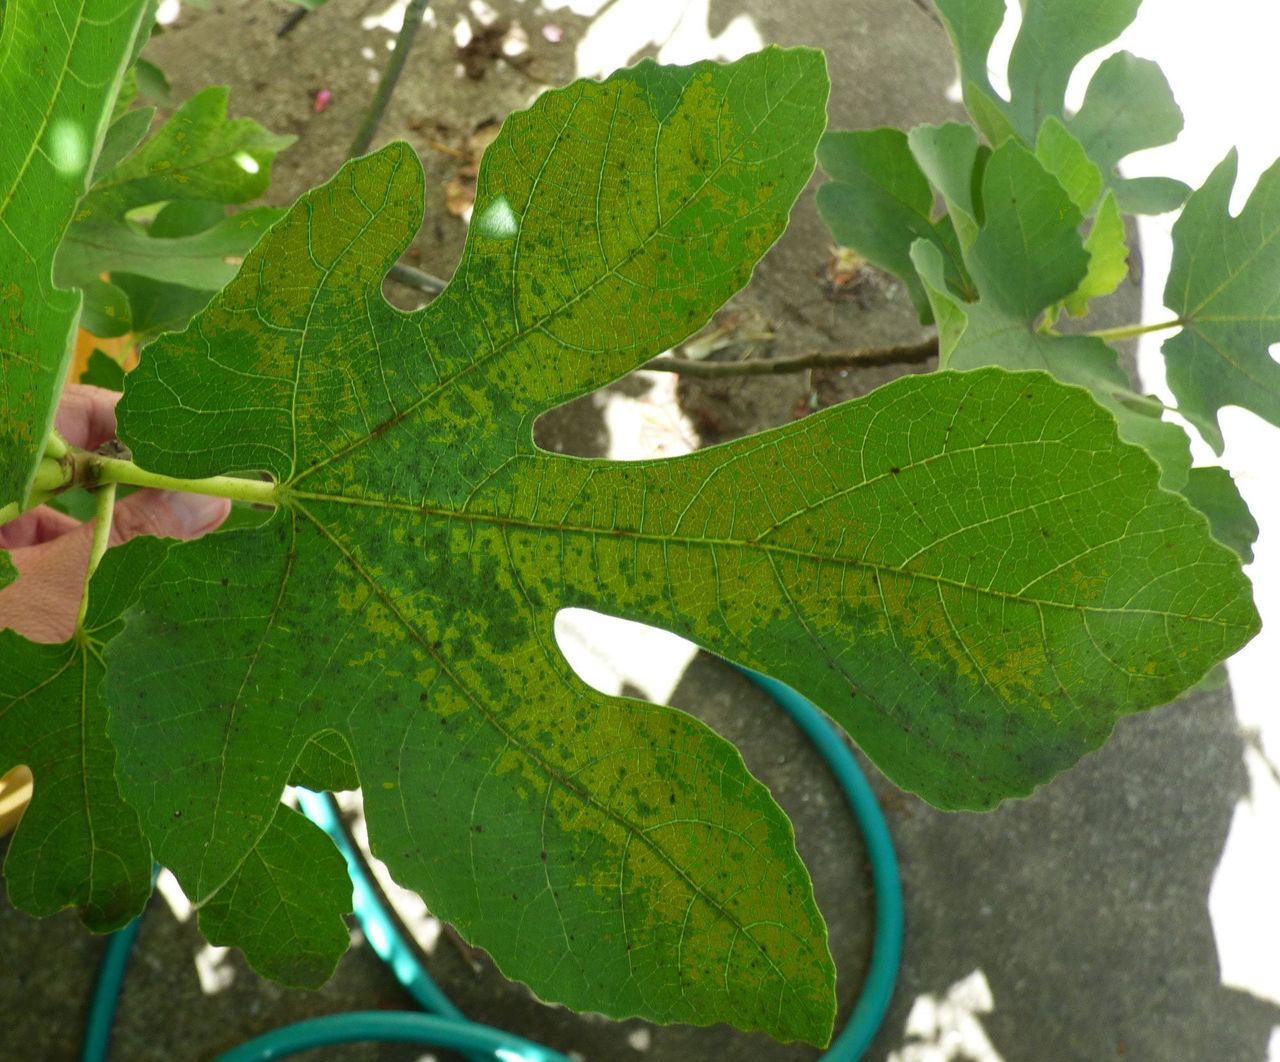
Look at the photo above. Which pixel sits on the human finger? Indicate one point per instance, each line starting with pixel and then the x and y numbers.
pixel 42 603
pixel 167 514
pixel 86 415
pixel 35 526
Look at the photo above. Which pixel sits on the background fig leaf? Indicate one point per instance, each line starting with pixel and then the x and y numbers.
pixel 1064 156
pixel 1026 258
pixel 197 160
pixel 78 844
pixel 615 855
pixel 1129 107
pixel 103 370
pixel 106 310
pixel 1028 253
pixel 1222 287
pixel 972 26
pixel 157 306
pixel 879 202
pixel 1054 36
pixel 151 81
pixel 1108 257
pixel 123 135
pixel 1213 491
pixel 952 159
pixel 56 90
pixel 1128 104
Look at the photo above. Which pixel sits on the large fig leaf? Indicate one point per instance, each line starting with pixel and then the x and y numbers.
pixel 1222 284
pixel 615 855
pixel 60 64
pixel 969 571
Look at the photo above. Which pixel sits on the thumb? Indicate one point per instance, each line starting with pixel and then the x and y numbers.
pixel 167 514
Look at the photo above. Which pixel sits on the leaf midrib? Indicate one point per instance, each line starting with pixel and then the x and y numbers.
pixel 766 548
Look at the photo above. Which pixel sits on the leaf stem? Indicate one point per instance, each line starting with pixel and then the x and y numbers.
pixel 81 469
pixel 390 76
pixel 1130 331
pixel 106 503
pixel 856 357
pixel 113 470
pixel 55 445
pixel 53 473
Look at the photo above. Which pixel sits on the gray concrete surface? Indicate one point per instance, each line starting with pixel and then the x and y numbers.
pixel 1084 908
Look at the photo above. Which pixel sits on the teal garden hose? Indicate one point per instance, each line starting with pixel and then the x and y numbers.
pixel 445 1026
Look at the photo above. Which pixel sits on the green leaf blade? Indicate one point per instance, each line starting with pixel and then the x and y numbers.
pixel 1053 38
pixel 1028 253
pixel 542 797
pixel 78 844
pixel 888 558
pixel 878 202
pixel 952 160
pixel 523 842
pixel 1026 257
pixel 103 371
pixel 1222 286
pixel 916 593
pixel 1212 490
pixel 1108 257
pixel 198 153
pixel 972 26
pixel 60 65
pixel 1062 155
pixel 977 334
pixel 289 925
pixel 196 158
pixel 204 261
pixel 1128 107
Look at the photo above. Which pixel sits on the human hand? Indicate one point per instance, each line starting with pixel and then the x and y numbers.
pixel 50 550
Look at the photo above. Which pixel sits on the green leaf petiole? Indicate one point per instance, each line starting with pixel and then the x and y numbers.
pixel 1109 335
pixel 114 470
pixel 101 536
pixel 77 468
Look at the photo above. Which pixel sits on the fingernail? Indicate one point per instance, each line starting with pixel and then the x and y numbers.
pixel 194 514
